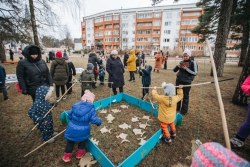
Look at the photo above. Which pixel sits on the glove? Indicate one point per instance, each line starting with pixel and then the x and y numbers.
pixel 74 80
pixel 93 82
pixel 39 120
pixel 24 92
pixel 98 124
pixel 54 104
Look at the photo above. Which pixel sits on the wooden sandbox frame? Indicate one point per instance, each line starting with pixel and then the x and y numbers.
pixel 140 152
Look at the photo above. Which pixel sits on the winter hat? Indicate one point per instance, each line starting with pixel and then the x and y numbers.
pixel 214 154
pixel 92 54
pixel 169 89
pixel 90 66
pixel 59 54
pixel 114 52
pixel 33 51
pixel 188 52
pixel 88 96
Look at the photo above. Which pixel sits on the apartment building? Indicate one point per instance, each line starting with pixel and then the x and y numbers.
pixel 148 29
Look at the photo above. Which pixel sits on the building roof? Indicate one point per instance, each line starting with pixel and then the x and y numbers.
pixel 144 10
pixel 77 40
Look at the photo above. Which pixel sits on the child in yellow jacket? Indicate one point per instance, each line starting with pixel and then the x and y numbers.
pixel 167 108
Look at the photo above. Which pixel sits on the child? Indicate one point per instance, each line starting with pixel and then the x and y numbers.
pixel 101 72
pixel 146 79
pixel 167 108
pixel 39 108
pixel 78 129
pixel 87 75
pixel 2 83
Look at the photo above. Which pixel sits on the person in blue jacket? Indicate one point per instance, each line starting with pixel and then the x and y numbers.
pixel 78 129
pixel 146 79
pixel 2 83
pixel 39 108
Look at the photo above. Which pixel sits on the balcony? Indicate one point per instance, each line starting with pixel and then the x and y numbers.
pixel 145 19
pixel 143 27
pixel 156 35
pixel 98 24
pixel 156 27
pixel 108 22
pixel 99 37
pixel 116 21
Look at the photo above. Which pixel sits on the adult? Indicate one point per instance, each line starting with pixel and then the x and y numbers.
pixel 166 61
pixel 132 65
pixel 142 58
pixel 157 61
pixel 2 83
pixel 65 53
pixel 125 59
pixel 32 71
pixel 59 71
pixel 51 56
pixel 137 61
pixel 187 71
pixel 72 73
pixel 11 55
pixel 94 60
pixel 19 53
pixel 115 69
pixel 244 131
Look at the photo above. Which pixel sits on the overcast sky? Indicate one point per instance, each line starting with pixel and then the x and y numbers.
pixel 96 6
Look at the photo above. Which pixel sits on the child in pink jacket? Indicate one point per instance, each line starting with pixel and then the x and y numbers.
pixel 244 130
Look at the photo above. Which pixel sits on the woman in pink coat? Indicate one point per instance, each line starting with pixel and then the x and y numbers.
pixel 157 61
pixel 244 130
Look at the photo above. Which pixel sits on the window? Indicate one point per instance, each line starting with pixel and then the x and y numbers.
pixel 116 17
pixel 88 35
pixel 133 32
pixel 99 33
pixel 89 41
pixel 145 15
pixel 133 39
pixel 125 17
pixel 178 14
pixel 168 23
pixel 155 39
pixel 147 39
pixel 98 20
pixel 139 39
pixel 192 14
pixel 168 15
pixel 125 32
pixel 188 39
pixel 185 31
pixel 167 31
pixel 116 39
pixel 116 32
pixel 108 32
pixel 178 23
pixel 124 25
pixel 108 47
pixel 116 25
pixel 100 27
pixel 88 29
pixel 143 31
pixel 109 26
pixel 157 23
pixel 124 39
pixel 143 46
pixel 229 41
pixel 186 22
pixel 156 32
pixel 166 40
pixel 108 18
pixel 108 39
pixel 192 47
pixel 200 47
pixel 157 15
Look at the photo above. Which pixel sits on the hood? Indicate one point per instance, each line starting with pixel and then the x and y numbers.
pixel 41 92
pixel 26 54
pixel 92 54
pixel 169 89
pixel 82 108
pixel 59 60
pixel 148 68
pixel 132 52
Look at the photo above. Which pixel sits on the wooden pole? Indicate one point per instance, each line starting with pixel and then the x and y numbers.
pixel 44 143
pixel 222 111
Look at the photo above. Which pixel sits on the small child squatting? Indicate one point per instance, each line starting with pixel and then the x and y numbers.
pixel 39 108
pixel 167 109
pixel 78 129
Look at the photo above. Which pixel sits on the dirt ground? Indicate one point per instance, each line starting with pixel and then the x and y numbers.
pixel 203 120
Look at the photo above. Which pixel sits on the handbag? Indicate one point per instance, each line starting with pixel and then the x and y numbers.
pixel 96 72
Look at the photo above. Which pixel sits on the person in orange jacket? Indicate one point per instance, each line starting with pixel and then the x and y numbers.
pixel 167 109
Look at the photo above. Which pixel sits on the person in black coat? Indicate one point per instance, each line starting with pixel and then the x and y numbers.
pixel 32 71
pixel 125 59
pixel 11 55
pixel 51 58
pixel 2 83
pixel 146 79
pixel 115 69
pixel 185 76
pixel 143 58
pixel 94 60
pixel 72 72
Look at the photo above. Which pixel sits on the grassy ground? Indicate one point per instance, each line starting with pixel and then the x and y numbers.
pixel 203 120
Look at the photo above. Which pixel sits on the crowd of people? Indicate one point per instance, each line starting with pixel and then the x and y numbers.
pixel 35 79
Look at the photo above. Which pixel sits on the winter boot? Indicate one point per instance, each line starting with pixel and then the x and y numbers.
pixel 80 153
pixel 66 157
pixel 168 140
pixel 173 134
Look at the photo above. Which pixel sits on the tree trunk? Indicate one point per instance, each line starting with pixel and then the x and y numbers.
pixel 2 52
pixel 244 43
pixel 33 22
pixel 239 96
pixel 222 36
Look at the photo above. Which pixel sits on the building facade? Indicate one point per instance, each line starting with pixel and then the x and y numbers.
pixel 147 29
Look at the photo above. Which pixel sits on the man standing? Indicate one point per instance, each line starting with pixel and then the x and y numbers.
pixel 143 58
pixel 187 71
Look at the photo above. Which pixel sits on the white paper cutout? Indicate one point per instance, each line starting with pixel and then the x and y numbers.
pixel 103 111
pixel 135 119
pixel 124 106
pixel 123 137
pixel 115 110
pixel 138 132
pixel 124 126
pixel 104 130
pixel 110 118
pixel 95 141
pixel 86 160
pixel 142 140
